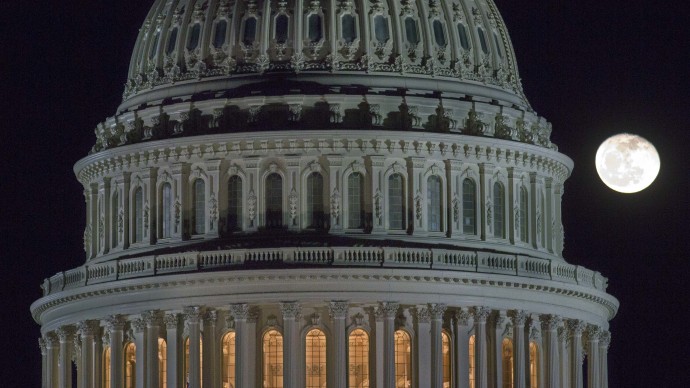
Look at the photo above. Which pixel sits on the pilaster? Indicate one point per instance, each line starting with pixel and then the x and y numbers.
pixel 454 197
pixel 180 175
pixel 549 215
pixel 335 197
pixel 293 193
pixel 212 205
pixel 484 221
pixel 338 313
pixel 416 201
pixel 463 327
pixel 251 203
pixel 291 313
pixel 378 195
pixel 103 219
pixel 92 214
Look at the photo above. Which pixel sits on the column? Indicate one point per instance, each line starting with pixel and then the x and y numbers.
pixel 87 331
pixel 576 328
pixel 534 330
pixel 388 310
pixel 437 310
pixel 335 199
pixel 339 361
pixel 126 216
pixel 463 326
pixel 44 360
pixel 172 342
pixel 520 350
pixel 100 342
pixel 252 214
pixel 548 213
pixel 139 329
pixel 179 173
pixel 115 325
pixel 454 196
pixel 76 359
pixel 379 345
pixel 209 350
pixel 557 221
pixel 52 348
pixel 291 313
pixel 378 196
pixel 250 341
pixel 593 376
pixel 292 183
pixel 549 326
pixel 243 362
pixel 152 321
pixel 417 197
pixel 65 335
pixel 604 343
pixel 483 220
pixel 512 190
pixel 192 324
pixel 495 365
pixel 481 356
pixel 564 355
pixel 423 340
pixel 212 212
pixel 92 211
pixel 103 215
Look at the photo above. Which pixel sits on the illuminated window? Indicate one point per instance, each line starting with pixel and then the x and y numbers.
pixel 249 31
pixel 396 200
pixel 273 359
pixel 507 348
pixel 282 24
pixel 358 359
pixel 130 365
pixel 194 34
pixel 106 367
pixel 235 203
pixel 162 363
pixel 469 207
pixel 114 220
pixel 355 193
pixel 228 365
pixel 445 352
pixel 166 210
pixel 138 215
pixel 499 210
pixel 472 361
pixel 433 201
pixel 533 365
pixel 315 358
pixel 524 219
pixel 315 201
pixel 274 201
pixel 199 200
pixel 403 359
pixel 381 29
pixel 186 360
pixel 219 35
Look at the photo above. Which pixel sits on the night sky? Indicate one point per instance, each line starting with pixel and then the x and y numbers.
pixel 593 68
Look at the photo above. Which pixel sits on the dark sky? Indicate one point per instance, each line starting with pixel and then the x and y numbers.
pixel 593 68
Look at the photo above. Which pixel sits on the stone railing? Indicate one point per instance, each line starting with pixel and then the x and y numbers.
pixel 439 259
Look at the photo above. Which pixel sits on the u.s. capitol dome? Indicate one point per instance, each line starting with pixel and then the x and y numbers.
pixel 324 193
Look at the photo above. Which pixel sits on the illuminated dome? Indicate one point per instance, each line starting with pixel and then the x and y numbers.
pixel 342 193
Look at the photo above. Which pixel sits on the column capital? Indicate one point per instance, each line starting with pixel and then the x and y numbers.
pixel 422 314
pixel 338 309
pixel 605 339
pixel 50 339
pixel 151 318
pixel 550 322
pixel 171 321
pixel 137 325
pixel 65 333
pixel 481 313
pixel 291 310
pixel 87 328
pixel 436 310
pixel 115 322
pixel 211 316
pixel 239 311
pixel 593 332
pixel 519 317
pixel 192 314
pixel 463 316
pixel 387 309
pixel 576 327
pixel 105 338
pixel 43 346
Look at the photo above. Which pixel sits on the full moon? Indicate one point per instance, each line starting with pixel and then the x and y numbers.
pixel 627 163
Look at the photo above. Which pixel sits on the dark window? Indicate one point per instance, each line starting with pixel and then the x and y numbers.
pixel 349 31
pixel 482 40
pixel 249 31
pixel 235 203
pixel 411 31
pixel 439 35
pixel 219 36
pixel 396 201
pixel 469 207
pixel 315 201
pixel 381 29
pixel 355 194
pixel 194 37
pixel 154 46
pixel 462 33
pixel 172 40
pixel 498 46
pixel 274 201
pixel 282 23
pixel 315 33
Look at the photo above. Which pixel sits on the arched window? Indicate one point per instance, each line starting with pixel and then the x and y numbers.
pixel 282 25
pixel 228 363
pixel 499 210
pixel 446 352
pixel 273 359
pixel 347 23
pixel 396 200
pixel 166 210
pixel 130 365
pixel 114 220
pixel 162 363
pixel 462 34
pixel 106 367
pixel 439 34
pixel 249 31
pixel 194 34
pixel 315 216
pixel 433 202
pixel 315 358
pixel 533 365
pixel 507 348
pixel 472 361
pixel 355 208
pixel 172 40
pixel 199 200
pixel 315 34
pixel 186 361
pixel 381 32
pixel 138 215
pixel 274 201
pixel 358 359
pixel 219 35
pixel 403 359
pixel 482 40
pixel 469 206
pixel 235 203
pixel 154 46
pixel 524 218
pixel 411 33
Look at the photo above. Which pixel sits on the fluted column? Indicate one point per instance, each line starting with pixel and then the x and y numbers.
pixel 338 312
pixel 576 329
pixel 437 310
pixel 535 336
pixel 520 351
pixel 593 376
pixel 564 356
pixel 379 345
pixel 87 331
pixel 44 360
pixel 65 335
pixel 423 345
pixel 604 343
pixel 243 363
pixel 291 312
pixel 481 356
pixel 115 326
pixel 152 321
pixel 388 311
pixel 499 322
pixel 52 354
pixel 549 326
pixel 463 326
pixel 209 350
pixel 192 324
pixel 172 342
pixel 139 329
